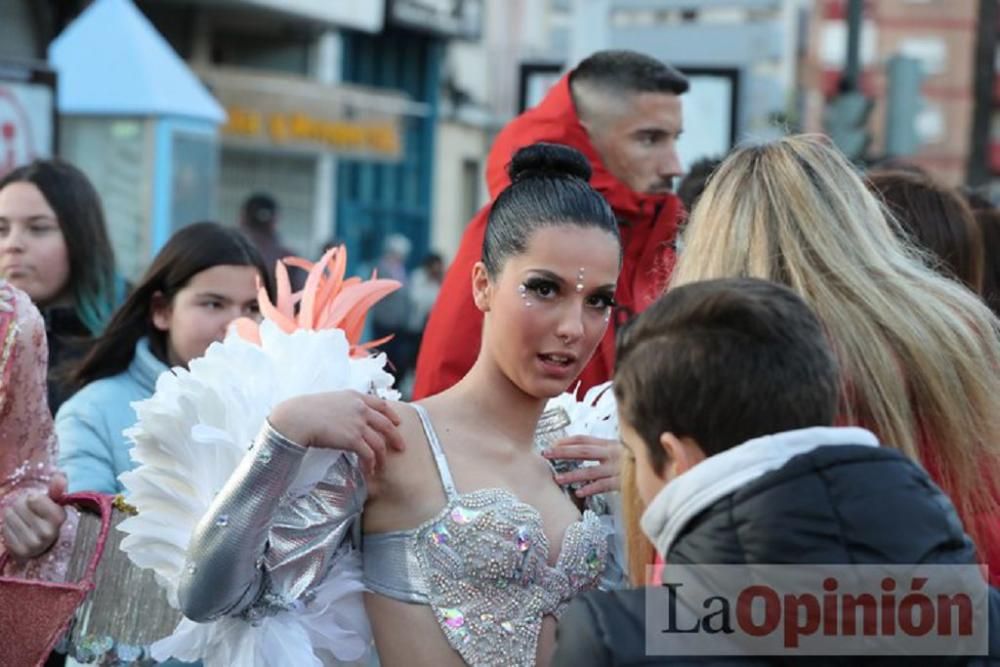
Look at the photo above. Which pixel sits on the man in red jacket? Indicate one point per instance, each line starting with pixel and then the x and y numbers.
pixel 623 111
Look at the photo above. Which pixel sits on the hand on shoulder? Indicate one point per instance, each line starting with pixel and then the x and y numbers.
pixel 397 466
pixel 346 420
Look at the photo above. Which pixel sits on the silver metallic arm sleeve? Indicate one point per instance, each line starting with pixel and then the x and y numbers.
pixel 261 549
pixel 223 573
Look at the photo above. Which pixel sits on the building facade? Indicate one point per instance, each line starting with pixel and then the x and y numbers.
pixel 942 36
pixel 331 106
pixel 479 93
pixel 332 112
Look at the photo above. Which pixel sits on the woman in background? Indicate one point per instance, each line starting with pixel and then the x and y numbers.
pixel 54 246
pixel 918 352
pixel 937 219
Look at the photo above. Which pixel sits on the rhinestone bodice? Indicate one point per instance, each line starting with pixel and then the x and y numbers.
pixel 482 565
pixel 485 561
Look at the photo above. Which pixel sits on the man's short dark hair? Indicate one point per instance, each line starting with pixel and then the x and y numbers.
pixel 260 210
pixel 722 362
pixel 628 72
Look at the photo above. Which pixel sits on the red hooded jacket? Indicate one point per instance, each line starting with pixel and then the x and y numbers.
pixel 648 225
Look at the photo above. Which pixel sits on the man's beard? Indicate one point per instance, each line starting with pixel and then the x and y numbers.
pixel 661 187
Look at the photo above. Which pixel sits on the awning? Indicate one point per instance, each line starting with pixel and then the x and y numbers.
pixel 112 62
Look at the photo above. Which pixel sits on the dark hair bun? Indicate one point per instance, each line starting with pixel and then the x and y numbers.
pixel 544 160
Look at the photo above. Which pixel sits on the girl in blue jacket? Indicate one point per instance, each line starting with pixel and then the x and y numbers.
pixel 204 277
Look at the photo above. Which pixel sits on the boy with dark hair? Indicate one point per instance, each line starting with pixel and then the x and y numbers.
pixel 727 391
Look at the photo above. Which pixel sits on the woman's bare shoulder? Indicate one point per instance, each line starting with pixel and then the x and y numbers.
pixel 411 432
pixel 410 427
pixel 406 475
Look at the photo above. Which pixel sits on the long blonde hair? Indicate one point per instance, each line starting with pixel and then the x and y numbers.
pixel 639 550
pixel 919 353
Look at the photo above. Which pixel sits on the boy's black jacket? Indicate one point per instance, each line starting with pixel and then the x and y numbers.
pixel 833 505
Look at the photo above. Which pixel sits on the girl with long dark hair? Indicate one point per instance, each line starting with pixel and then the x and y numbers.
pixel 54 245
pixel 204 277
pixel 470 548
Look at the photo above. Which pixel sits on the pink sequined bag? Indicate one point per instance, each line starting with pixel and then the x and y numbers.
pixel 34 614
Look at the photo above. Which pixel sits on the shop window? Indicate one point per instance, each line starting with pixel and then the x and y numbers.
pixel 194 179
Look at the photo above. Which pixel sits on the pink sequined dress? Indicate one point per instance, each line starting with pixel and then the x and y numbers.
pixel 28 445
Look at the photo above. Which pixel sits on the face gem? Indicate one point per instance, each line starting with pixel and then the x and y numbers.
pixel 523 291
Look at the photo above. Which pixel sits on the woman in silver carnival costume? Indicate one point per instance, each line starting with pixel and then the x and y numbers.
pixel 470 548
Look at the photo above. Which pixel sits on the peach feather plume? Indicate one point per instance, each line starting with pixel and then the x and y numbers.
pixel 326 301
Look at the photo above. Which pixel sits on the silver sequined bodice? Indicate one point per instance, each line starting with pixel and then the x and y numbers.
pixel 482 566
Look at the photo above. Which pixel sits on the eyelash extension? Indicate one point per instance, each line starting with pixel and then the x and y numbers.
pixel 536 284
pixel 609 301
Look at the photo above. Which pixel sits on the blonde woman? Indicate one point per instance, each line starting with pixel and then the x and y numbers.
pixel 919 354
